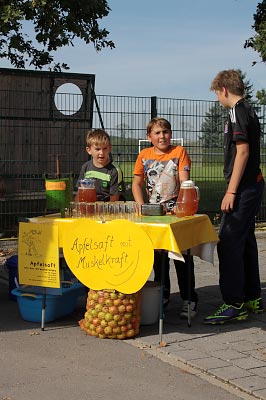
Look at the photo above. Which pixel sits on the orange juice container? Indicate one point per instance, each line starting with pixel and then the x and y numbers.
pixel 86 194
pixel 86 191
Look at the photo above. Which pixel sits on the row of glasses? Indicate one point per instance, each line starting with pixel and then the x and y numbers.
pixel 104 211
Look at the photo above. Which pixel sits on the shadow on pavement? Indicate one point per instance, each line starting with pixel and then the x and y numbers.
pixel 10 319
pixel 209 302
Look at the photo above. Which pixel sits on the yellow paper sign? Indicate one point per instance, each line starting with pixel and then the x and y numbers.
pixel 38 261
pixel 113 255
pixel 57 185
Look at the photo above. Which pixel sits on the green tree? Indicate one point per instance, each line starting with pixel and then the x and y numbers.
pixel 258 41
pixel 56 24
pixel 212 127
pixel 261 96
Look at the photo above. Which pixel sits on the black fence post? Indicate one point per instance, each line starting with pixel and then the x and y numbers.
pixel 153 106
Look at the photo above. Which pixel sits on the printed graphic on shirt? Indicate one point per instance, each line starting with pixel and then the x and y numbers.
pixel 226 127
pixel 232 114
pixel 162 181
pixel 97 175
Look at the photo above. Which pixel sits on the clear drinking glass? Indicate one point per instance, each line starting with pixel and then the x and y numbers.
pixel 132 210
pixel 121 209
pixel 100 211
pixel 114 209
pixel 91 210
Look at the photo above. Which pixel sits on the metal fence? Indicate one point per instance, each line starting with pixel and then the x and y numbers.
pixel 194 124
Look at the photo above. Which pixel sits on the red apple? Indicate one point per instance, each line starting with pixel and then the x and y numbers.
pixel 117 302
pixel 130 333
pixel 113 310
pixel 99 329
pixel 96 321
pixel 101 300
pixel 116 330
pixel 123 328
pixel 125 302
pixel 91 303
pixel 106 295
pixel 129 308
pixel 112 323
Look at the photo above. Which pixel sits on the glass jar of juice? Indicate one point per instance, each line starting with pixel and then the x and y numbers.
pixel 86 191
pixel 86 194
pixel 188 199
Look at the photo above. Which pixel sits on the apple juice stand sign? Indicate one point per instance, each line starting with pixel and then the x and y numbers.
pixel 113 255
pixel 38 262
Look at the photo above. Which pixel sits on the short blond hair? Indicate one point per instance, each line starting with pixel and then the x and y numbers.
pixel 97 137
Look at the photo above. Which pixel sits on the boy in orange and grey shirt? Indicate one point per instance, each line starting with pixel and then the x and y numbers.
pixel 162 168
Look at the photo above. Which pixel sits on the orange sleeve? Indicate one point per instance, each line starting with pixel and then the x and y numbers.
pixel 138 168
pixel 184 160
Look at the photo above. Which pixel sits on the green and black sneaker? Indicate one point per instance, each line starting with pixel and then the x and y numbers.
pixel 227 313
pixel 255 306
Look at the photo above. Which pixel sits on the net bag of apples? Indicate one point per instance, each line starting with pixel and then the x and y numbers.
pixel 111 314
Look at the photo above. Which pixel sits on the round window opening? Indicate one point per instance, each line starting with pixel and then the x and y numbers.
pixel 68 98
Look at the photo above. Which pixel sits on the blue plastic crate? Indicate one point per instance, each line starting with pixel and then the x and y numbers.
pixel 57 306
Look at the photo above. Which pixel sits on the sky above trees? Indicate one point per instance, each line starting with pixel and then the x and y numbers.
pixel 170 49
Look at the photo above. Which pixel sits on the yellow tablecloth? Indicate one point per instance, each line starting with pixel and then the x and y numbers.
pixel 170 233
pixel 179 234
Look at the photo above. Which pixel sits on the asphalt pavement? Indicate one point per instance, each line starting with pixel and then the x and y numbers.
pixel 232 357
pixel 234 352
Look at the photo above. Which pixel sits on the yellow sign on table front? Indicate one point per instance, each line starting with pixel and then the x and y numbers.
pixel 113 255
pixel 38 262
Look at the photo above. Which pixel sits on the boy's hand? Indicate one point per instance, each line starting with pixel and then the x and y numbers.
pixel 228 202
pixel 173 211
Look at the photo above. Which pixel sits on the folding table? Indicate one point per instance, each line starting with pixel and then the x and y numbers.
pixel 174 236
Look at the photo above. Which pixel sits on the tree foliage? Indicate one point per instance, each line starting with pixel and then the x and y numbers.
pixel 261 96
pixel 212 127
pixel 258 41
pixel 56 24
